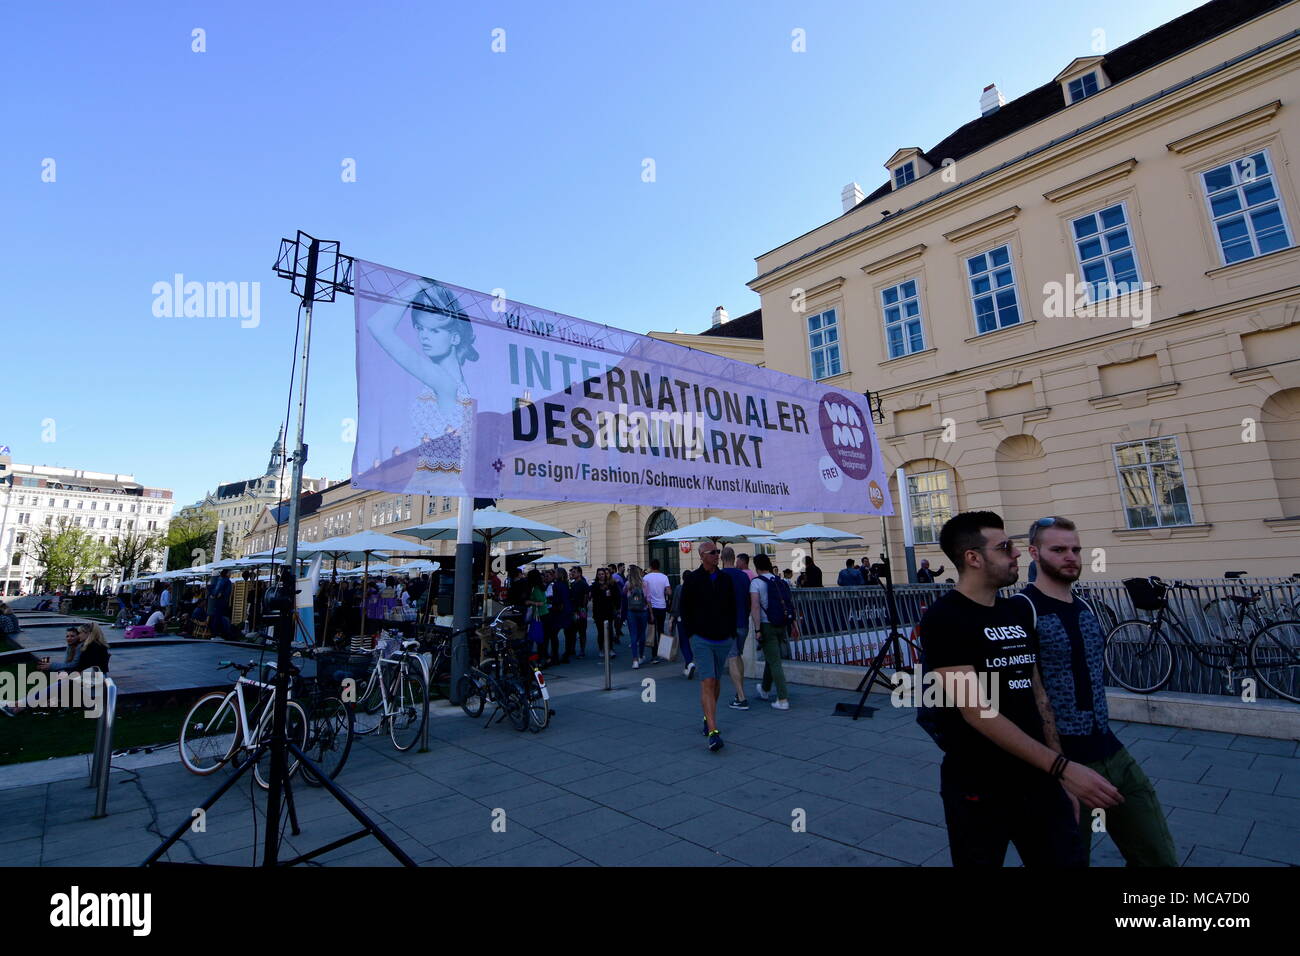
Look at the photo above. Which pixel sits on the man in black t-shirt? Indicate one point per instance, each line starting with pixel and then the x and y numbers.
pixel 1003 778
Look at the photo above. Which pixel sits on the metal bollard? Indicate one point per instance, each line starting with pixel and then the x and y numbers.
pixel 102 760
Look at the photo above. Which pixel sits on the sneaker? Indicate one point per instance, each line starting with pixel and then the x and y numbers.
pixel 689 669
pixel 780 705
pixel 636 663
pixel 715 742
pixel 738 704
pixel 762 694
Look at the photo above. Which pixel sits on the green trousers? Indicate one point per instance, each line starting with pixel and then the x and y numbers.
pixel 1137 825
pixel 770 637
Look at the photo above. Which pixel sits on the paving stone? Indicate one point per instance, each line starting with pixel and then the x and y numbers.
pixel 1208 856
pixel 1264 745
pixel 1205 738
pixel 907 840
pixel 539 852
pixel 1195 828
pixel 1187 770
pixel 765 845
pixel 1265 808
pixel 716 826
pixel 1217 756
pixel 828 853
pixel 1271 842
pixel 850 824
pixel 546 811
pixel 1141 749
pixel 1237 778
pixel 1194 796
pixel 624 845
pixel 469 848
pixel 681 853
pixel 583 826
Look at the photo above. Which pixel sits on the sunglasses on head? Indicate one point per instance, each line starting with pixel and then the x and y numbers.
pixel 714 551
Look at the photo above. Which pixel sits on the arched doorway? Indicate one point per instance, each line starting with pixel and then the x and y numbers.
pixel 668 553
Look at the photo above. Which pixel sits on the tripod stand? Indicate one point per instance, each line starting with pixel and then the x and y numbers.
pixel 279 783
pixel 890 649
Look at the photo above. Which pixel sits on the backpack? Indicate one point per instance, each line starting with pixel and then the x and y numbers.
pixel 780 603
pixel 636 600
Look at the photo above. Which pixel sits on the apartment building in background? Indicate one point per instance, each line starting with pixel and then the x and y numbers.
pixel 1085 301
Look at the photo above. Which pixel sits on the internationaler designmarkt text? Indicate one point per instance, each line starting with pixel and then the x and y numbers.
pixel 657 479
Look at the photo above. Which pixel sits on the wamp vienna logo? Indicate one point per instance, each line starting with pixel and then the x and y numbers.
pixel 76 909
pixel 845 435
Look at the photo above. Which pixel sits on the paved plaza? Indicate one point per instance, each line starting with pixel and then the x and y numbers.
pixel 616 780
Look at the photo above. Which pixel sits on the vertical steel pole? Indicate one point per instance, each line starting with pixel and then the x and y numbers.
pixel 283 629
pixel 463 593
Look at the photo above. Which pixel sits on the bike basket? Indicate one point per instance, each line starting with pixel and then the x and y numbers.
pixel 1145 595
pixel 333 667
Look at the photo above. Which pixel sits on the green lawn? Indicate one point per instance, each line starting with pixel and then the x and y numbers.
pixel 61 733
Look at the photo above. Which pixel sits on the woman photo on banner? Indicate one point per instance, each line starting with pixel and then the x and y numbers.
pixel 441 415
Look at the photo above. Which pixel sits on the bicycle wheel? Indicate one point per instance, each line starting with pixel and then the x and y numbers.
pixel 1105 614
pixel 368 712
pixel 411 704
pixel 515 703
pixel 473 692
pixel 209 734
pixel 1222 616
pixel 539 709
pixel 1275 658
pixel 1139 657
pixel 295 732
pixel 329 739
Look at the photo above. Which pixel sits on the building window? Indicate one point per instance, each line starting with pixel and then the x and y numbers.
pixel 65 502
pixel 1245 208
pixel 1151 483
pixel 902 307
pixel 24 518
pixel 931 504
pixel 1107 259
pixel 22 500
pixel 767 522
pixel 80 504
pixel 993 289
pixel 824 344
pixel 1083 87
pixel 904 174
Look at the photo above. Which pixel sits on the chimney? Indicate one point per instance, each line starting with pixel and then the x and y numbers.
pixel 992 100
pixel 720 316
pixel 851 195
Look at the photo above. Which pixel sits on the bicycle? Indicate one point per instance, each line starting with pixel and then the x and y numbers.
pixel 221 728
pixel 396 694
pixel 496 680
pixel 1139 655
pixel 330 721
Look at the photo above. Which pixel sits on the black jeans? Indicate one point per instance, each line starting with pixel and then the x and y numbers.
pixel 1034 815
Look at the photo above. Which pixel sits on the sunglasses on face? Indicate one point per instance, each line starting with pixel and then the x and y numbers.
pixel 1005 546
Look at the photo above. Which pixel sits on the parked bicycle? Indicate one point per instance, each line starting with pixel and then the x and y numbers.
pixel 1139 654
pixel 499 679
pixel 223 728
pixel 396 694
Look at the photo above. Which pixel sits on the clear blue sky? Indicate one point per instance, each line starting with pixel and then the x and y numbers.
pixel 519 170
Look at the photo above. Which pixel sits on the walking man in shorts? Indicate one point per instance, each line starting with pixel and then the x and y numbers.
pixel 709 618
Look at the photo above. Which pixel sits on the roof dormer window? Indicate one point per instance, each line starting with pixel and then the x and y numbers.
pixel 1082 87
pixel 905 166
pixel 1084 77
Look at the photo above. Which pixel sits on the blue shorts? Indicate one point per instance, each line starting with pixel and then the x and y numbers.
pixel 710 656
pixel 738 645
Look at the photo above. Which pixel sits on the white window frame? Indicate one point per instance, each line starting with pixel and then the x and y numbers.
pixel 1148 467
pixel 824 346
pixel 1112 286
pixel 1239 185
pixel 906 172
pixel 1083 94
pixel 926 531
pixel 903 320
pixel 992 272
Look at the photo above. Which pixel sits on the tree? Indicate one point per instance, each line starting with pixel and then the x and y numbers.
pixel 188 533
pixel 131 552
pixel 67 554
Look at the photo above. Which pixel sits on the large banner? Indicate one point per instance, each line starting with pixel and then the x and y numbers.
pixel 463 393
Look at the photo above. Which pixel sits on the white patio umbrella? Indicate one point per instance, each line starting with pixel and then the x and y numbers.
pixel 715 529
pixel 357 547
pixel 555 559
pixel 813 533
pixel 490 525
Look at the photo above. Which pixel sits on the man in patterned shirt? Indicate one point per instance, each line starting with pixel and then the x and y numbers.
pixel 1071 640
